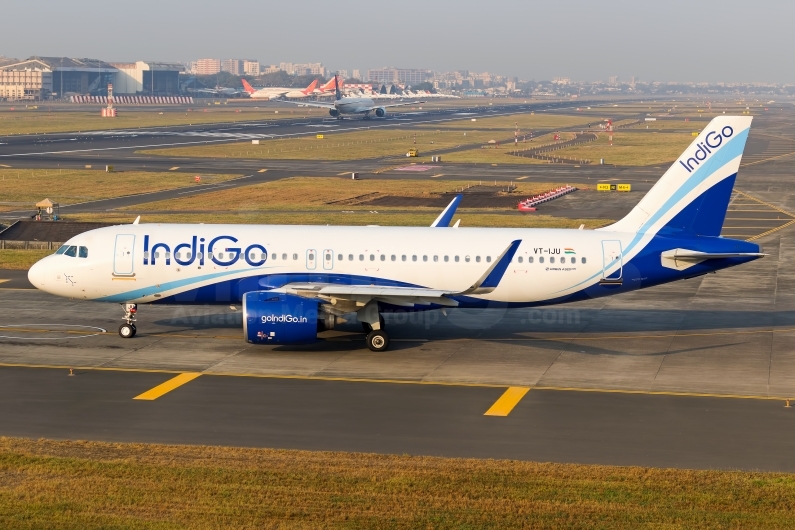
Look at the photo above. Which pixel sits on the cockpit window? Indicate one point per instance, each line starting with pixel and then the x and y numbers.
pixel 71 251
pixel 62 249
pixel 83 252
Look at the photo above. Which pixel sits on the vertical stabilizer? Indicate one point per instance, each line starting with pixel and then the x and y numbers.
pixel 693 195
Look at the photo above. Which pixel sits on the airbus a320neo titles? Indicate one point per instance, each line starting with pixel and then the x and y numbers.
pixel 294 281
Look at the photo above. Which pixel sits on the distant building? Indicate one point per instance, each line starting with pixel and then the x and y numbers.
pixel 612 80
pixel 39 78
pixel 251 68
pixel 27 80
pixel 408 76
pixel 302 68
pixel 147 77
pixel 233 66
pixel 342 73
pixel 208 66
pixel 357 74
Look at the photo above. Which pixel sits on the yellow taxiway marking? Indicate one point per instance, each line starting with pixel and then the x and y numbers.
pixel 436 176
pixel 3 281
pixel 508 400
pixel 174 168
pixel 388 381
pixel 262 171
pixel 343 173
pixel 3 165
pixel 168 386
pixel 522 178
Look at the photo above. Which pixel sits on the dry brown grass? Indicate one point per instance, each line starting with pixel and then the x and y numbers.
pixel 354 218
pixel 321 193
pixel 13 259
pixel 22 188
pixel 87 485
pixel 525 122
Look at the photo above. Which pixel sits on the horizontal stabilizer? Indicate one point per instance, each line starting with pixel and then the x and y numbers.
pixel 680 258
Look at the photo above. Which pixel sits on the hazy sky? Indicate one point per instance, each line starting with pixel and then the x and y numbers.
pixel 666 40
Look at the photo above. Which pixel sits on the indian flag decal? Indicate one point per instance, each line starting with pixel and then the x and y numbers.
pixel 569 251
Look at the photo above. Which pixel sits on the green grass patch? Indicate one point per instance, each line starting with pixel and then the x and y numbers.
pixel 38 121
pixel 21 259
pixel 525 122
pixel 88 485
pixel 631 148
pixel 23 188
pixel 374 143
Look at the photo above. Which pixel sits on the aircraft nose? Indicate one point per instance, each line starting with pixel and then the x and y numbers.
pixel 37 274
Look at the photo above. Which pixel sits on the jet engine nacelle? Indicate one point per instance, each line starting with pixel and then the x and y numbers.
pixel 380 112
pixel 334 112
pixel 277 318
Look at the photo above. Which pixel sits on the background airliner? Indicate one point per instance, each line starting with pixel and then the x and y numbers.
pixel 277 92
pixel 354 105
pixel 296 280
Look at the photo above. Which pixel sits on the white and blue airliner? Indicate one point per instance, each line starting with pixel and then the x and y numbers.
pixel 294 281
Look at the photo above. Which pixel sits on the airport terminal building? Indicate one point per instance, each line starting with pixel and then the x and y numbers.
pixel 43 78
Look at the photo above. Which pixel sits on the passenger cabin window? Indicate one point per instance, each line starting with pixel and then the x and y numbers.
pixel 339 257
pixel 530 259
pixel 436 258
pixel 350 257
pixel 394 258
pixel 295 257
pixel 477 259
pixel 361 257
pixel 456 259
pixel 372 257
pixel 403 257
pixel 414 257
pixel 552 259
pixel 582 260
pixel 520 259
pixel 541 259
pixel 383 257
pixel 466 258
pixel 425 258
pixel 71 251
pixel 563 259
pixel 488 259
pixel 447 258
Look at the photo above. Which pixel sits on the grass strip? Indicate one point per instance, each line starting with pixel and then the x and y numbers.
pixel 87 485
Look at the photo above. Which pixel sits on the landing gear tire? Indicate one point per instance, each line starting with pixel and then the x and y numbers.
pixel 378 340
pixel 127 331
pixel 135 330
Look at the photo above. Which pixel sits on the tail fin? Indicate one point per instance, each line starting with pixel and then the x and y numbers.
pixel 693 195
pixel 328 86
pixel 248 88
pixel 310 88
pixel 337 92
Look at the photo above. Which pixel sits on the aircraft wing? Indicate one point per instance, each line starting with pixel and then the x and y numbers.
pixel 312 104
pixel 348 298
pixel 398 104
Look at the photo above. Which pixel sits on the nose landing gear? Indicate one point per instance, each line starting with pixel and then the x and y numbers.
pixel 128 330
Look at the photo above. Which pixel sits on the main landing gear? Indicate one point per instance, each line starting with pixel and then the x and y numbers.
pixel 128 330
pixel 373 323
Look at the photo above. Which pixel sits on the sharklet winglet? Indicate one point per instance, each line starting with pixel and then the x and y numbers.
pixel 443 221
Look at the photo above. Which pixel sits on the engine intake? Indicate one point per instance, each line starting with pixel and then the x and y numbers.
pixel 380 112
pixel 276 318
pixel 334 112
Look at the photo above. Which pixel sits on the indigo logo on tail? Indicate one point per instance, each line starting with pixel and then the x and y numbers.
pixel 712 141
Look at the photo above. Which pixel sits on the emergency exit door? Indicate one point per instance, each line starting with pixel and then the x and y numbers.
pixel 328 259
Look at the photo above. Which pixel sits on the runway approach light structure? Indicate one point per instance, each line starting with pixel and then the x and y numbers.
pixel 109 111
